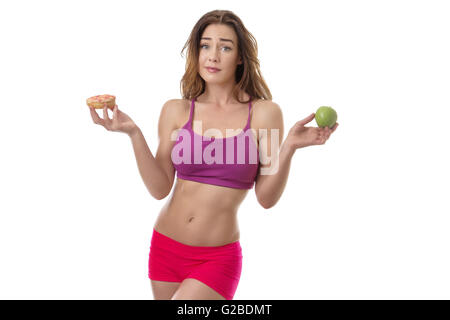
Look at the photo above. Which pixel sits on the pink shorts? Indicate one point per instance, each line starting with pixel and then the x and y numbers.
pixel 217 267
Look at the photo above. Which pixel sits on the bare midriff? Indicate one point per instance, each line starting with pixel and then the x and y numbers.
pixel 199 214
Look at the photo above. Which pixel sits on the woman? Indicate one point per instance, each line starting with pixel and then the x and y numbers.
pixel 195 251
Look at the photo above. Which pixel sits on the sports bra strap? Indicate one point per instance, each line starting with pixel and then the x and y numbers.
pixel 192 111
pixel 247 126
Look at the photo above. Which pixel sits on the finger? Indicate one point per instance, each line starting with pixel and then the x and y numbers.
pixel 319 136
pixel 334 127
pixel 107 120
pixel 95 117
pixel 323 132
pixel 322 137
pixel 306 120
pixel 115 112
pixel 320 140
pixel 115 119
pixel 105 114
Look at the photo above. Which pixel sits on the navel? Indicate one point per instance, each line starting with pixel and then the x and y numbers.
pixel 191 219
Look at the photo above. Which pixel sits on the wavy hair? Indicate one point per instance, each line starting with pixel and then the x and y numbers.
pixel 248 75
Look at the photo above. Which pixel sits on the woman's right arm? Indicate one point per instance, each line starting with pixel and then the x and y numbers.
pixel 157 172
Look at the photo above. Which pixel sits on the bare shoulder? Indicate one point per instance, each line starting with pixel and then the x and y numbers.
pixel 175 104
pixel 176 109
pixel 267 113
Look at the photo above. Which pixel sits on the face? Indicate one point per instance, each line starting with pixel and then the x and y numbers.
pixel 218 49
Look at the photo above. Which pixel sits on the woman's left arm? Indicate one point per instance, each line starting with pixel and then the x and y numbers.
pixel 275 155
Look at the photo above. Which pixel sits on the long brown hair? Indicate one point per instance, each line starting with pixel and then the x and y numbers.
pixel 248 75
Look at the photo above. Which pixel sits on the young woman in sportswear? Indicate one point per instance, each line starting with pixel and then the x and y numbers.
pixel 222 138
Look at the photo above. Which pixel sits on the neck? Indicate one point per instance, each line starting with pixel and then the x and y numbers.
pixel 219 94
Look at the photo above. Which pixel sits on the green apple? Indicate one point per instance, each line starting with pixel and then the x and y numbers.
pixel 326 117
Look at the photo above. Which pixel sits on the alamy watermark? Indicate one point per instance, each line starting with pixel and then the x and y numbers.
pixel 216 146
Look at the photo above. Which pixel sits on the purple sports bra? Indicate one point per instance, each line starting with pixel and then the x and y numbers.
pixel 230 161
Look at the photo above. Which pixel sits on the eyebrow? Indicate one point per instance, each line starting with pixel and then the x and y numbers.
pixel 221 39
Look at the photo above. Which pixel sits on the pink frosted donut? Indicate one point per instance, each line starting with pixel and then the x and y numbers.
pixel 97 102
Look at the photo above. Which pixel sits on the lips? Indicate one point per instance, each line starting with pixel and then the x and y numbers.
pixel 212 69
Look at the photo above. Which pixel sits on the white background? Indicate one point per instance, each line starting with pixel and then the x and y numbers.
pixel 365 216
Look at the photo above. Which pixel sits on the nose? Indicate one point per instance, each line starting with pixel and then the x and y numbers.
pixel 213 56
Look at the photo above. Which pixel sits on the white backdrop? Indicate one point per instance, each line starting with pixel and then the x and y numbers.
pixel 364 216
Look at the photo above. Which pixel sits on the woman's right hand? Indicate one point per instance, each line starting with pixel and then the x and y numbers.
pixel 120 122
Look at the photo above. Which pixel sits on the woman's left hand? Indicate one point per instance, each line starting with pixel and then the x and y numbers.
pixel 300 136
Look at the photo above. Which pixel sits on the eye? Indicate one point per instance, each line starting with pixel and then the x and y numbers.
pixel 203 45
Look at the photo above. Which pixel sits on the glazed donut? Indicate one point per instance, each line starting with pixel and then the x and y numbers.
pixel 97 102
